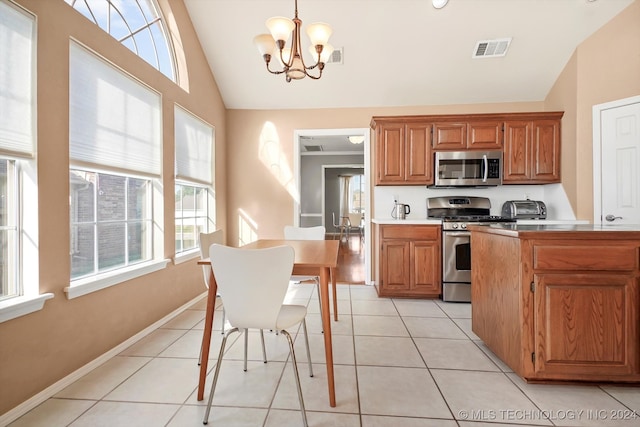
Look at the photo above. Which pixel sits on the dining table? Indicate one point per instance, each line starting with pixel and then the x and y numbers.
pixel 312 257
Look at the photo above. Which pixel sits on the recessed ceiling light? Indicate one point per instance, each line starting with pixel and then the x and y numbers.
pixel 356 139
pixel 439 4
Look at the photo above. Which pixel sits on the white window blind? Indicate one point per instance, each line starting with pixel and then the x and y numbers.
pixel 194 143
pixel 114 120
pixel 17 87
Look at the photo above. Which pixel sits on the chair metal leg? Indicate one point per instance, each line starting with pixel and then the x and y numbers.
pixel 246 346
pixel 223 320
pixel 264 349
pixel 295 374
pixel 215 376
pixel 306 341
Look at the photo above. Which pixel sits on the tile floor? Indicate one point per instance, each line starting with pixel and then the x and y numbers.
pixel 409 363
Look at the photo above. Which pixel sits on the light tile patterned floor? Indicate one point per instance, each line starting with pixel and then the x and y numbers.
pixel 409 363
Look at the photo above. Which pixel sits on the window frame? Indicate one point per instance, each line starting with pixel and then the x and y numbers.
pixel 93 161
pixel 29 298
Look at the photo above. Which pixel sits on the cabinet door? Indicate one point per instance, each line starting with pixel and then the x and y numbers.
pixel 419 161
pixel 390 153
pixel 395 266
pixel 450 136
pixel 485 135
pixel 425 262
pixel 586 326
pixel 517 152
pixel 546 151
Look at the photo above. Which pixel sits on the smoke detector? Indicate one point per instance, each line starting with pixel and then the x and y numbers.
pixel 491 48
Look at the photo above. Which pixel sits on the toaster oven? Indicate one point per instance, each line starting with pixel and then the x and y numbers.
pixel 524 209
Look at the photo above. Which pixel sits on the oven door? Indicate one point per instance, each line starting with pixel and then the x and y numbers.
pixel 456 256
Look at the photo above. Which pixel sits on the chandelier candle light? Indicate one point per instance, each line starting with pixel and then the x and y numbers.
pixel 291 58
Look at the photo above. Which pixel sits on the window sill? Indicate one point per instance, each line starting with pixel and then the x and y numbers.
pixel 95 283
pixel 19 306
pixel 186 256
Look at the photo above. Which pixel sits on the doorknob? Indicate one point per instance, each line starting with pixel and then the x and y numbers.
pixel 611 218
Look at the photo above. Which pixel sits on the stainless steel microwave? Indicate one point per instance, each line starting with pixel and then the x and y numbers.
pixel 468 168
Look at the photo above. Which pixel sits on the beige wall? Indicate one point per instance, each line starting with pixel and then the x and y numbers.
pixel 39 349
pixel 604 68
pixel 258 199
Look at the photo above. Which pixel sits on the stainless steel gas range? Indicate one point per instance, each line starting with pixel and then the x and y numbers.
pixel 456 212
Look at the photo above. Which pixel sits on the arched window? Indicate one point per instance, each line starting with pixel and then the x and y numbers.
pixel 137 24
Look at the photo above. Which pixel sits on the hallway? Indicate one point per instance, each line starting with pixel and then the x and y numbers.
pixel 351 261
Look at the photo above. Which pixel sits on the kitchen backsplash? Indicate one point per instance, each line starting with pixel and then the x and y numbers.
pixel 553 195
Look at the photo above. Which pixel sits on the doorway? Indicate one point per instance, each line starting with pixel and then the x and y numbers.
pixel 616 159
pixel 307 139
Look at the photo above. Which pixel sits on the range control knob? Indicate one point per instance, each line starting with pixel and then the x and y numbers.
pixel 463 225
pixel 454 225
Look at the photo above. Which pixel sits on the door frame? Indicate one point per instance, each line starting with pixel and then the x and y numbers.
pixel 597 150
pixel 366 132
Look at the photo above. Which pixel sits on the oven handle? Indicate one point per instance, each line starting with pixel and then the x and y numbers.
pixel 486 168
pixel 457 233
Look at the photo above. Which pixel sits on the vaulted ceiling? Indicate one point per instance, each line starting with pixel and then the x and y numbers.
pixel 400 52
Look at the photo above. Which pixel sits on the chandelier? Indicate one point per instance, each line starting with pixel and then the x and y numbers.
pixel 291 59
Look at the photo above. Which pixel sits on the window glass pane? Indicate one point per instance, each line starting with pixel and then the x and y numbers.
pixel 82 250
pixel 137 241
pixel 111 197
pixel 9 248
pixel 192 216
pixel 120 235
pixel 137 206
pixel 111 245
pixel 123 18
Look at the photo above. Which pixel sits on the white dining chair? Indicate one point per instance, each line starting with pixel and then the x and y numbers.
pixel 307 233
pixel 253 284
pixel 206 240
pixel 355 224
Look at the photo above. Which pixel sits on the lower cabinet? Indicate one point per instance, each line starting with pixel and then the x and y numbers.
pixel 408 261
pixel 559 307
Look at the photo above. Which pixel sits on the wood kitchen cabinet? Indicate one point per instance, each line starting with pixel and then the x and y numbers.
pixel 403 154
pixel 569 301
pixel 530 143
pixel 532 150
pixel 468 135
pixel 408 260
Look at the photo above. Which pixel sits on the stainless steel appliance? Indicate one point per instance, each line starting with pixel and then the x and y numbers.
pixel 468 168
pixel 524 209
pixel 400 211
pixel 456 212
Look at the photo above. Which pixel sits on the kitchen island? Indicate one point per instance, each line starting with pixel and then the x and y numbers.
pixel 559 302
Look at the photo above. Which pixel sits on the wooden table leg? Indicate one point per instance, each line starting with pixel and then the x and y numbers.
pixel 335 294
pixel 206 336
pixel 326 327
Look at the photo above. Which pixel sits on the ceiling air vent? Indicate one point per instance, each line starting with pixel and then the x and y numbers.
pixel 337 56
pixel 313 147
pixel 491 48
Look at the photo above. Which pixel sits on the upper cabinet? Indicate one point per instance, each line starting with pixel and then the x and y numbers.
pixel 468 135
pixel 530 143
pixel 532 150
pixel 403 154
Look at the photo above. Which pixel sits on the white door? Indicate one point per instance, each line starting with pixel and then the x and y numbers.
pixel 616 162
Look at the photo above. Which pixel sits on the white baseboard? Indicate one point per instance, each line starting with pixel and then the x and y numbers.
pixel 50 391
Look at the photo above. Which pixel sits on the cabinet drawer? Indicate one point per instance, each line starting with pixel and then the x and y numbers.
pixel 415 232
pixel 587 256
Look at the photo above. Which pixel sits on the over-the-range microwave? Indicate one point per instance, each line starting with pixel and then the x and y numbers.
pixel 468 168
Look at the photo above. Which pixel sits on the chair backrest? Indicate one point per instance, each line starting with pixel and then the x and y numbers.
pixel 252 283
pixel 355 220
pixel 206 240
pixel 304 233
